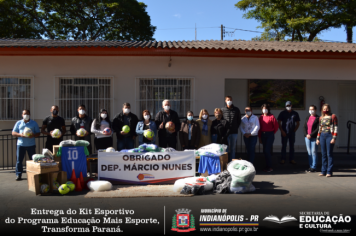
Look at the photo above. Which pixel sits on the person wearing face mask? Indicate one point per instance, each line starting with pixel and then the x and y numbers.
pixel 204 128
pixel 268 127
pixel 311 127
pixel 288 121
pixel 249 128
pixel 167 138
pixel 126 117
pixel 81 120
pixel 189 134
pixel 24 144
pixel 232 114
pixel 53 122
pixel 145 124
pixel 102 140
pixel 327 133
pixel 219 128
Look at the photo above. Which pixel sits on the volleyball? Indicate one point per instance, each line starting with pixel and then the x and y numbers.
pixel 107 131
pixel 110 149
pixel 81 132
pixel 170 126
pixel 55 185
pixel 126 129
pixel 70 185
pixel 56 133
pixel 27 132
pixel 148 133
pixel 44 188
pixel 63 189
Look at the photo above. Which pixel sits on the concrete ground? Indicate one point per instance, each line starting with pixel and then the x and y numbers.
pixel 288 190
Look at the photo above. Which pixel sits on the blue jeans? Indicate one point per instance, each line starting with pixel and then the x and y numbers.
pixel 326 153
pixel 231 142
pixel 267 142
pixel 291 138
pixel 250 143
pixel 125 143
pixel 20 155
pixel 312 148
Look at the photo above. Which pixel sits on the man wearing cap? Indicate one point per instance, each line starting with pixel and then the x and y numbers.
pixel 288 121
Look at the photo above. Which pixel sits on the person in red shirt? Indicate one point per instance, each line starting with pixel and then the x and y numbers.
pixel 268 127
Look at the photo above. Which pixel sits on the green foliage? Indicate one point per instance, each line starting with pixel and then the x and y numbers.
pixel 75 19
pixel 192 221
pixel 174 222
pixel 298 20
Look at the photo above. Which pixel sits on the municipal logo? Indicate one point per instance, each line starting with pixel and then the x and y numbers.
pixel 145 176
pixel 183 221
pixel 284 219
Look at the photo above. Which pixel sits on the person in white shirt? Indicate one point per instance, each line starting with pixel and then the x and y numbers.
pixel 250 126
pixel 102 139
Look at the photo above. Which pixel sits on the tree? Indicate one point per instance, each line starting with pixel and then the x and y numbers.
pixel 76 19
pixel 300 20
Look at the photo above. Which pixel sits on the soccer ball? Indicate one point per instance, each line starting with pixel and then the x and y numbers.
pixel 81 132
pixel 44 188
pixel 126 129
pixel 107 131
pixel 110 149
pixel 27 132
pixel 71 185
pixel 55 185
pixel 63 189
pixel 56 133
pixel 148 134
pixel 170 126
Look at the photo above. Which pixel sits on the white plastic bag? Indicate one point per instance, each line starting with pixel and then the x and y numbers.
pixel 213 148
pixel 250 188
pixel 242 173
pixel 99 185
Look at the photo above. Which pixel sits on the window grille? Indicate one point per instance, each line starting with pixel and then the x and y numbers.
pixel 152 91
pixel 94 92
pixel 15 96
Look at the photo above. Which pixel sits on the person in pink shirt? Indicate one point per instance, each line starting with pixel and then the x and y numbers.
pixel 268 127
pixel 311 128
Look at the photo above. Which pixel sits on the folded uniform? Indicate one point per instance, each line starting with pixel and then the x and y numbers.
pixel 66 143
pixel 82 143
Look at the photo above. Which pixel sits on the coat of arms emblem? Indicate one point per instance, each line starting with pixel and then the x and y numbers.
pixel 183 221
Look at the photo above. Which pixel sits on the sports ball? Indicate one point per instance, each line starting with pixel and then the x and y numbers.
pixel 55 185
pixel 81 132
pixel 107 131
pixel 27 132
pixel 56 133
pixel 170 126
pixel 44 188
pixel 126 129
pixel 148 134
pixel 63 189
pixel 71 185
pixel 110 149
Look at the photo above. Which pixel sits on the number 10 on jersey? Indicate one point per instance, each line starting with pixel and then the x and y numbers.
pixel 72 156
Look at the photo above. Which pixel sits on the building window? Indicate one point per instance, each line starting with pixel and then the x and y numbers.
pixel 152 91
pixel 94 92
pixel 15 96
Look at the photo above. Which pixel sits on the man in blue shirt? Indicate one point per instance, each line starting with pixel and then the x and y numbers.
pixel 288 121
pixel 25 143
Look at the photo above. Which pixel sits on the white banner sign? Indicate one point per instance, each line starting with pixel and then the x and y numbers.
pixel 145 168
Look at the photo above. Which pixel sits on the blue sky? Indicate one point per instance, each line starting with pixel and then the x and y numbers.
pixel 169 14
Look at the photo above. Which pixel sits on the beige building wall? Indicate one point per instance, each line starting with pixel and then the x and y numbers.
pixel 214 78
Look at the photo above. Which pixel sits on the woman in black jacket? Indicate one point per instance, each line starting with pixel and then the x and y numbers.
pixel 219 128
pixel 311 127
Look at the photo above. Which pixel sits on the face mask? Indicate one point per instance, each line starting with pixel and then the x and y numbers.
pixel 190 117
pixel 229 103
pixel 127 111
pixel 326 112
pixel 55 112
pixel 81 112
pixel 311 112
pixel 146 117
pixel 264 111
pixel 288 108
pixel 167 108
pixel 205 117
pixel 218 116
pixel 104 115
pixel 26 117
pixel 248 113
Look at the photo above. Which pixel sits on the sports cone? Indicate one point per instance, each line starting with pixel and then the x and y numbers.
pixel 73 178
pixel 78 187
pixel 82 180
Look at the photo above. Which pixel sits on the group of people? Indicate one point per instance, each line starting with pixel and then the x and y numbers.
pixel 193 134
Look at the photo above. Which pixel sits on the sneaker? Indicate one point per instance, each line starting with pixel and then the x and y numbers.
pixel 312 170
pixel 308 170
pixel 18 177
pixel 268 170
pixel 293 162
pixel 282 162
